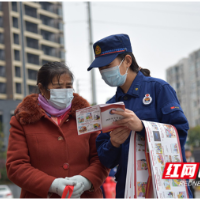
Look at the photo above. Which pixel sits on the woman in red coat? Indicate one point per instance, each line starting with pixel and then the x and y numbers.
pixel 45 152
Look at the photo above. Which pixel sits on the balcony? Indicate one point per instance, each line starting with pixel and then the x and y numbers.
pixel 2 71
pixel 17 71
pixel 62 55
pixel 50 51
pixel 17 55
pixel 48 21
pixel 32 89
pixel 15 22
pixel 2 88
pixel 16 38
pixel 1 38
pixel 14 6
pixel 30 11
pixel 49 36
pixel 31 27
pixel 2 54
pixel 32 74
pixel 33 59
pixel 32 43
pixel 18 87
pixel 44 62
pixel 1 22
pixel 61 40
pixel 48 7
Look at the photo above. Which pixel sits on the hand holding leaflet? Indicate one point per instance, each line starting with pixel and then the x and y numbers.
pixel 99 117
pixel 130 120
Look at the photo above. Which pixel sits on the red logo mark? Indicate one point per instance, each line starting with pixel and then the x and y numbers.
pixel 180 170
pixel 172 107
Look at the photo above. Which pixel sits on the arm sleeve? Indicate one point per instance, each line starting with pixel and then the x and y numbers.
pixel 18 164
pixel 96 173
pixel 108 154
pixel 170 112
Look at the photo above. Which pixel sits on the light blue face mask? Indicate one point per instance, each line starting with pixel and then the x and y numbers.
pixel 61 98
pixel 113 77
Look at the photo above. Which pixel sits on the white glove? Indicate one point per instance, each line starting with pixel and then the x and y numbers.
pixel 80 179
pixel 78 190
pixel 59 184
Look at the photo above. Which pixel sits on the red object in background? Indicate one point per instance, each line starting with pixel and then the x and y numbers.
pixel 109 187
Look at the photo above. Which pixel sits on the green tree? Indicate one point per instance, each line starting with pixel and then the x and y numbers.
pixel 194 136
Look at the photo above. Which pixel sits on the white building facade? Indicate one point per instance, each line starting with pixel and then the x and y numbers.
pixel 184 77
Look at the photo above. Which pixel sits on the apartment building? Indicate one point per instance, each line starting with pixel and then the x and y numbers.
pixel 31 34
pixel 184 77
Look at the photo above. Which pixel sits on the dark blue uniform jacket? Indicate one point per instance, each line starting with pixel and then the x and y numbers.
pixel 164 108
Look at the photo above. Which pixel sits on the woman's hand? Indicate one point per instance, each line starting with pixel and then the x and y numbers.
pixel 86 185
pixel 59 184
pixel 119 135
pixel 130 120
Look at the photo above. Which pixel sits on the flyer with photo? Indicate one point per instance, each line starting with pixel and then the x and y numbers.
pixel 97 118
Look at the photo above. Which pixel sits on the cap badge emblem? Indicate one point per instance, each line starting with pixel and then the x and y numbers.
pixel 97 50
pixel 147 99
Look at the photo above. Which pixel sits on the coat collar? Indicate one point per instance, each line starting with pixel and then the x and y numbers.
pixel 28 111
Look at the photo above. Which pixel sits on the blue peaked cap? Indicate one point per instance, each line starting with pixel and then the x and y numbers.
pixel 108 48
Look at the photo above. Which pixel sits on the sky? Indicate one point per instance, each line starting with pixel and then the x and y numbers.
pixel 161 34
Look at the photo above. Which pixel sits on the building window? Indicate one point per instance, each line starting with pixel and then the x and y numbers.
pixel 48 6
pixel 14 6
pixel 60 26
pixel 0 6
pixel 2 54
pixel 17 71
pixel 34 59
pixel 62 55
pixel 17 55
pixel 2 88
pixel 30 11
pixel 48 21
pixel 16 38
pixel 1 22
pixel 32 43
pixel 50 51
pixel 15 22
pixel 61 40
pixel 18 88
pixel 1 122
pixel 32 89
pixel 59 12
pixel 2 71
pixel 32 74
pixel 48 36
pixel 1 38
pixel 44 62
pixel 31 27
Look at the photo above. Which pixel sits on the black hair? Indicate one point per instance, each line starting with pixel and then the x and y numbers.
pixel 51 69
pixel 134 66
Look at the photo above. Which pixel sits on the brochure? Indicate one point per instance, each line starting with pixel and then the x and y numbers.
pixel 160 145
pixel 97 118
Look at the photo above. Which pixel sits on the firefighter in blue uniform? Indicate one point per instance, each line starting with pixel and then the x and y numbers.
pixel 145 98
